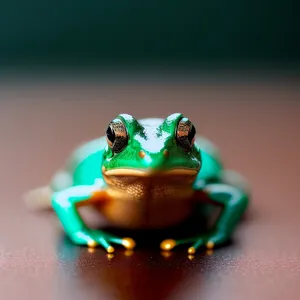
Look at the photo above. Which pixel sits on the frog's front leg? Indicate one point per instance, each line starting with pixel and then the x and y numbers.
pixel 66 203
pixel 234 203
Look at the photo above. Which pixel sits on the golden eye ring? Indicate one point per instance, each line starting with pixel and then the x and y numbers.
pixel 185 134
pixel 116 135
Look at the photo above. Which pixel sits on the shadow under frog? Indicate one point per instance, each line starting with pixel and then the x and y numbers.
pixel 145 273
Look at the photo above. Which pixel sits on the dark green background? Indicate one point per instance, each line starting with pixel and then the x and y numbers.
pixel 163 32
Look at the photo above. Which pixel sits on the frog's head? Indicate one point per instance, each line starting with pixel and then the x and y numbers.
pixel 151 147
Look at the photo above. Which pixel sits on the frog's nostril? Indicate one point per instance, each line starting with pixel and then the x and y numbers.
pixel 142 154
pixel 166 153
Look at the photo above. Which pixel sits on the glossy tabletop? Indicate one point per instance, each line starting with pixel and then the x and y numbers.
pixel 255 125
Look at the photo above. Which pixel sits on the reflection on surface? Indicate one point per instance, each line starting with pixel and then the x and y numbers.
pixel 145 273
pixel 123 275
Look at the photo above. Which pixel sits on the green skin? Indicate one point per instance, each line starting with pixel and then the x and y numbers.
pixel 85 165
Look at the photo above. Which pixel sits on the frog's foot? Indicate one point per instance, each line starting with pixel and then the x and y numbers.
pixel 209 241
pixel 94 238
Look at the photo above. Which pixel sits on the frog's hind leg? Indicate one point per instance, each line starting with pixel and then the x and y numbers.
pixel 235 179
pixel 40 198
pixel 76 171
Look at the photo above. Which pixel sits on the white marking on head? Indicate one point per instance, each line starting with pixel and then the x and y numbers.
pixel 152 143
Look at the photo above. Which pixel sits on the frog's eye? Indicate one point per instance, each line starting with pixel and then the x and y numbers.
pixel 116 136
pixel 185 134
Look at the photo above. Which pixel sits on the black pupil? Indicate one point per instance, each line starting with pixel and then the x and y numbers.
pixel 191 134
pixel 110 134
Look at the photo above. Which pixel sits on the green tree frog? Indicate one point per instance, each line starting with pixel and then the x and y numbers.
pixel 143 174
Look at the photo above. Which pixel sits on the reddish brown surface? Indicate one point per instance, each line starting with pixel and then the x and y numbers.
pixel 257 129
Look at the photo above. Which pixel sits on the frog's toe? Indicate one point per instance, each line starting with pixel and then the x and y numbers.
pixel 100 240
pixel 210 245
pixel 191 250
pixel 83 238
pixel 209 242
pixel 92 243
pixel 167 245
pixel 110 249
pixel 127 242
pixel 197 244
pixel 92 239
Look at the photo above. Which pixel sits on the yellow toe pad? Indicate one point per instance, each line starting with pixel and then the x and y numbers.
pixel 128 243
pixel 167 244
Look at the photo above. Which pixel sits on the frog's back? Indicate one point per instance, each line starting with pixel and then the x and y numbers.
pixel 84 165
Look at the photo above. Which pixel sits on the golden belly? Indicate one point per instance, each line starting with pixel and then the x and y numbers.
pixel 147 202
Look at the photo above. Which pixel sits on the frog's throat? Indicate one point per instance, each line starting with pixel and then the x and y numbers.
pixel 149 172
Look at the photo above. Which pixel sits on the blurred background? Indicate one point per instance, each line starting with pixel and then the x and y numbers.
pixel 193 35
pixel 68 67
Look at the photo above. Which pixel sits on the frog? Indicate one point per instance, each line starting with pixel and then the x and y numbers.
pixel 146 174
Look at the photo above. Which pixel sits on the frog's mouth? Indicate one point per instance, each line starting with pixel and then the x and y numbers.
pixel 149 172
pixel 149 178
pixel 148 184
